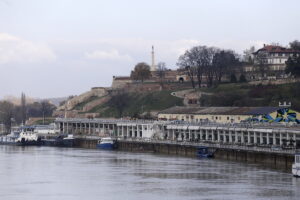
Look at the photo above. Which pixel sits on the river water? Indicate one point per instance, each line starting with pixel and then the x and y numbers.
pixel 45 173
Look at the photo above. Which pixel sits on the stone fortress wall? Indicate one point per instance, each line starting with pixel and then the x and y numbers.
pixel 96 91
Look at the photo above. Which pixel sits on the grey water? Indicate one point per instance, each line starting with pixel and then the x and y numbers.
pixel 47 173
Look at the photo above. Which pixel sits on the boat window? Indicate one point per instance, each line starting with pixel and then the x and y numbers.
pixel 297 160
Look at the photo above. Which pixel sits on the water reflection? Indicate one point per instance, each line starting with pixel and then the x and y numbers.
pixel 63 173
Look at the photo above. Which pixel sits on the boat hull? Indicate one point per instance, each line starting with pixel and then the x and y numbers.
pixel 68 142
pixel 8 143
pixel 203 152
pixel 59 142
pixel 296 171
pixel 30 143
pixel 106 146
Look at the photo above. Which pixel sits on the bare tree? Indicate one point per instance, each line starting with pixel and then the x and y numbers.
pixel 295 45
pixel 7 113
pixel 248 55
pixel 198 62
pixel 186 63
pixel 46 109
pixel 261 62
pixel 119 101
pixel 224 63
pixel 141 72
pixel 161 72
pixel 23 108
pixel 208 56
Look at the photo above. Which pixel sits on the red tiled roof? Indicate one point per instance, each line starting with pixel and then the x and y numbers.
pixel 276 49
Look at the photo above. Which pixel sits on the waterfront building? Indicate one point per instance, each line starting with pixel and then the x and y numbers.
pixel 244 134
pixel 108 127
pixel 230 114
pixel 273 57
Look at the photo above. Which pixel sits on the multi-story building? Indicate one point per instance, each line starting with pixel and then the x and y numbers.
pixel 273 57
pixel 230 114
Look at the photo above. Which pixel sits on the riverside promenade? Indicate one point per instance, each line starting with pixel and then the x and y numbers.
pixel 269 144
pixel 241 134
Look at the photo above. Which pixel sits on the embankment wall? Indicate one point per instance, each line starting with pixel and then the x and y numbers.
pixel 269 159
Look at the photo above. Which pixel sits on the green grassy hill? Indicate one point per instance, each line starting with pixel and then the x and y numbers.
pixel 250 95
pixel 139 103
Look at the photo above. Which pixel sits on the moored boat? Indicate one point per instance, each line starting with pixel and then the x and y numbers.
pixel 68 141
pixel 28 137
pixel 10 139
pixel 106 143
pixel 203 152
pixel 296 165
pixel 60 141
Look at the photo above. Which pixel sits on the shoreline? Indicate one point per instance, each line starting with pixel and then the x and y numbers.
pixel 273 160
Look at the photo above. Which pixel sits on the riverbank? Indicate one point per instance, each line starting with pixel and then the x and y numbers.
pixel 273 159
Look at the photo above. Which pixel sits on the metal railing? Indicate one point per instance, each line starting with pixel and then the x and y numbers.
pixel 214 145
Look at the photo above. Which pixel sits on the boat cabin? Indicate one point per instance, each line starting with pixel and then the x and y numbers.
pixel 297 158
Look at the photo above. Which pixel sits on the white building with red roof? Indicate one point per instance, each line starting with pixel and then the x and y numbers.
pixel 274 56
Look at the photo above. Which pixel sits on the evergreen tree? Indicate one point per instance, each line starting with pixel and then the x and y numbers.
pixel 243 78
pixel 293 66
pixel 233 78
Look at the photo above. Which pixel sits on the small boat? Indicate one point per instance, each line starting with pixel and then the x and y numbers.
pixel 60 141
pixel 203 152
pixel 106 143
pixel 68 141
pixel 296 165
pixel 28 137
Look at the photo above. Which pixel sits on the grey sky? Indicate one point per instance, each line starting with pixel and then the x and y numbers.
pixel 52 48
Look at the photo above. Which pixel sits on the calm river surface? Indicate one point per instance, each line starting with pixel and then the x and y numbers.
pixel 30 173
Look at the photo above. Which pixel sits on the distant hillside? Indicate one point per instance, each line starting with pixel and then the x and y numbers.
pixel 17 100
pixel 56 101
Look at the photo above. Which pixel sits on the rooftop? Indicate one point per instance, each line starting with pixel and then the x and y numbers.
pixel 276 49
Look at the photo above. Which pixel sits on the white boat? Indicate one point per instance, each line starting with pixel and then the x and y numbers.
pixel 296 165
pixel 28 137
pixel 10 138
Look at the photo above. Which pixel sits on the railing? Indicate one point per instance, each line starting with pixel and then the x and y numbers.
pixel 215 145
pixel 98 120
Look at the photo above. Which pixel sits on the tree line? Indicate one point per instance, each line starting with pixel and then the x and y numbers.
pixel 210 63
pixel 18 114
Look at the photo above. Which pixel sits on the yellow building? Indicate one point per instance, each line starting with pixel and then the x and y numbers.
pixel 230 114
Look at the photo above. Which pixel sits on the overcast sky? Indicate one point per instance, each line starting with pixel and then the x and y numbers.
pixel 55 48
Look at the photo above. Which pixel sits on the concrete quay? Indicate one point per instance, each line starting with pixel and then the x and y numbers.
pixel 267 144
pixel 279 159
pixel 263 135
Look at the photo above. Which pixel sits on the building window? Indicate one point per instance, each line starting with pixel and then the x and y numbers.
pixel 227 118
pixel 216 117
